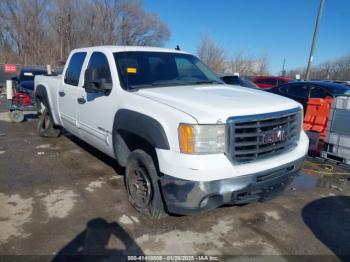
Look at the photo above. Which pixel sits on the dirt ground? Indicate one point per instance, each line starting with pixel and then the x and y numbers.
pixel 60 196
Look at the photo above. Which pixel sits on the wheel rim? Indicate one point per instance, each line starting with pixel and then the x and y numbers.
pixel 17 116
pixel 139 186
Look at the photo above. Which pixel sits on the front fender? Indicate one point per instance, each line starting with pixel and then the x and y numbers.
pixel 142 125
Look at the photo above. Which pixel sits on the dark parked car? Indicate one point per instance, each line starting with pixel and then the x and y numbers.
pixel 339 82
pixel 25 79
pixel 235 80
pixel 302 91
pixel 270 81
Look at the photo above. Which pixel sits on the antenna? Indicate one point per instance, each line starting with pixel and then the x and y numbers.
pixel 177 47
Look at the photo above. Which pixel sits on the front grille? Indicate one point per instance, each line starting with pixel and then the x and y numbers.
pixel 248 136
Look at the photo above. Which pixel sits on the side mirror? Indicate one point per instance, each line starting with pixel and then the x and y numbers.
pixel 89 75
pixel 93 83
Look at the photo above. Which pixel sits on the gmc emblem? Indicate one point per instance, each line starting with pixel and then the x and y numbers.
pixel 275 136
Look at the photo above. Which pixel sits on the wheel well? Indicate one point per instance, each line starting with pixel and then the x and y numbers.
pixel 125 142
pixel 41 97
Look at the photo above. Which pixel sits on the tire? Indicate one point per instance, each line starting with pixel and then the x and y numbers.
pixel 141 181
pixel 46 126
pixel 16 116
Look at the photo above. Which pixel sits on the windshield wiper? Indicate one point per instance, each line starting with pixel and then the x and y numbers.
pixel 136 88
pixel 207 82
pixel 169 83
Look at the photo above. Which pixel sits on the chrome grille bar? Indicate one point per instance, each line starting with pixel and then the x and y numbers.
pixel 246 135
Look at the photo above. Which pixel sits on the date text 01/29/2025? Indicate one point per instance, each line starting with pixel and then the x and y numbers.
pixel 173 258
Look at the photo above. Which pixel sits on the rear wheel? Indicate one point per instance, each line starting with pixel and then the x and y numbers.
pixel 16 116
pixel 46 126
pixel 141 181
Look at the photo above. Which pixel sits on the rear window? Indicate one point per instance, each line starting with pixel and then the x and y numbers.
pixel 74 69
pixel 28 75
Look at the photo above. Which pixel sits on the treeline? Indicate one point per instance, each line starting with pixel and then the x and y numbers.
pixel 338 69
pixel 221 61
pixel 44 31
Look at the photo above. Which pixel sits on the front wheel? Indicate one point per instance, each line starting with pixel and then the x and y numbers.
pixel 46 126
pixel 141 181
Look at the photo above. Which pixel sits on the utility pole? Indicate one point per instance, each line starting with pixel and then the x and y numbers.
pixel 311 57
pixel 283 67
pixel 61 50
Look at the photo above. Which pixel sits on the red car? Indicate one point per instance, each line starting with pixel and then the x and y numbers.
pixel 270 81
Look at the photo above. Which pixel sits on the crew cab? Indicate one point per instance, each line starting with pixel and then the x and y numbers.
pixel 188 141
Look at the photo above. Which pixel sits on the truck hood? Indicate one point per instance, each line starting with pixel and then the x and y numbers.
pixel 216 103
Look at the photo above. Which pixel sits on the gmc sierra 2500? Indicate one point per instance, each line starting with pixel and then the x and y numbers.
pixel 188 141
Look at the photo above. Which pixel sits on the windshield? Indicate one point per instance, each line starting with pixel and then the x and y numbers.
pixel 157 69
pixel 335 88
pixel 345 90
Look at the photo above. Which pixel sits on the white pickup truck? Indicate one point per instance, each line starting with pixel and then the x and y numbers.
pixel 189 142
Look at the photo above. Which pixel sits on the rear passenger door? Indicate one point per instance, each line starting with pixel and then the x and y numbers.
pixel 67 93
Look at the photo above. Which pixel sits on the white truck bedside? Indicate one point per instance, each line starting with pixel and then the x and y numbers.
pixel 189 142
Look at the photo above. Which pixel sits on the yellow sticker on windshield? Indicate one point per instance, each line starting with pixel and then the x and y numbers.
pixel 131 70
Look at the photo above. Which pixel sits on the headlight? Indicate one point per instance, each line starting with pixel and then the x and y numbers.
pixel 202 139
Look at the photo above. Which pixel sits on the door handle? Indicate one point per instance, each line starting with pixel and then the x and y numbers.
pixel 81 100
pixel 61 93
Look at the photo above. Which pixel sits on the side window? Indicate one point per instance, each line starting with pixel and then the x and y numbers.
pixel 281 82
pixel 99 63
pixel 318 92
pixel 268 81
pixel 74 69
pixel 272 82
pixel 299 91
pixel 261 81
pixel 284 89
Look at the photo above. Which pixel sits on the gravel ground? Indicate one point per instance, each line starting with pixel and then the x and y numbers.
pixel 61 196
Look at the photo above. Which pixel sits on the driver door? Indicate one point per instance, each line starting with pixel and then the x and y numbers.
pixel 95 116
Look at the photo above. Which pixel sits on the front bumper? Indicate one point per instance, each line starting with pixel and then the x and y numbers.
pixel 185 196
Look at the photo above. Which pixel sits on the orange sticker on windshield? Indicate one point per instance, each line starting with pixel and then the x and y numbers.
pixel 131 70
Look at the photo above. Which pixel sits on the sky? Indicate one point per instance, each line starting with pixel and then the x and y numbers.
pixel 276 28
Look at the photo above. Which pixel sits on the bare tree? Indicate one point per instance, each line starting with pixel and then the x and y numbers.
pixel 247 65
pixel 240 64
pixel 23 21
pixel 64 19
pixel 262 65
pixel 44 31
pixel 211 54
pixel 338 69
pixel 98 22
pixel 137 27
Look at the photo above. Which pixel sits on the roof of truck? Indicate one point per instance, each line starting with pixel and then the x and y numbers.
pixel 115 48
